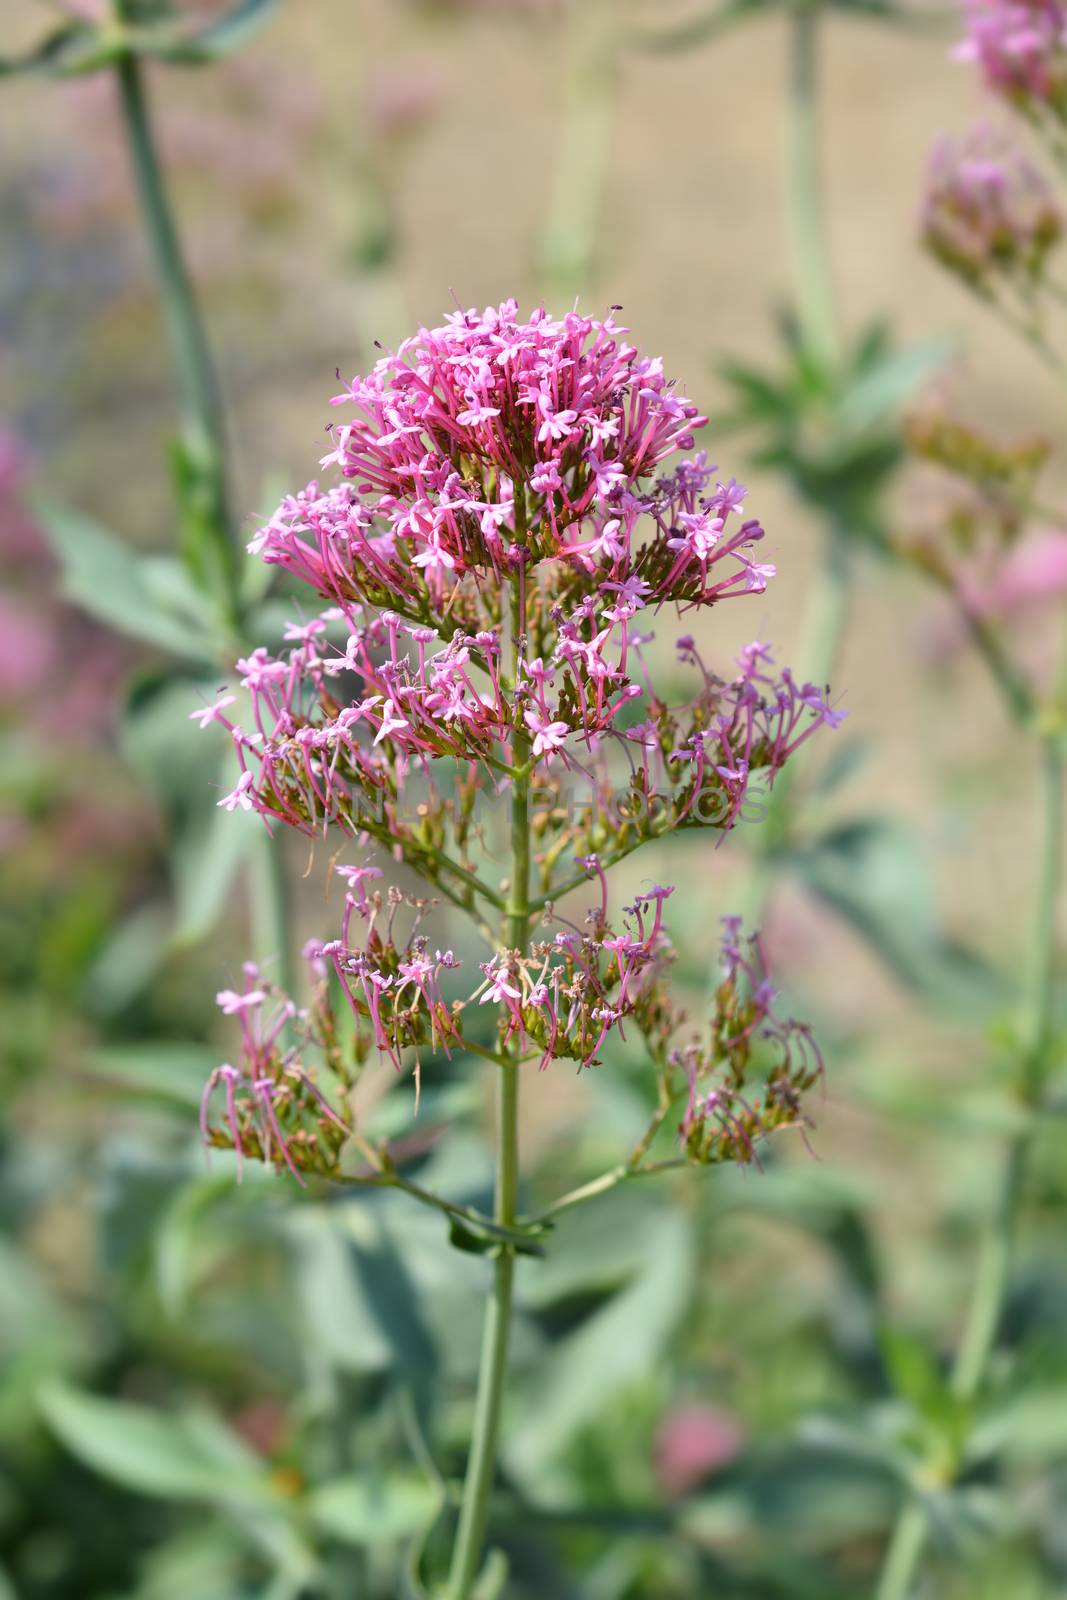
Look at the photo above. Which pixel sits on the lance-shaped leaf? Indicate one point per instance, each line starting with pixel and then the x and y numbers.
pixel 112 583
pixel 372 1508
pixel 198 47
pixel 873 874
pixel 615 1346
pixel 172 1455
pixel 74 48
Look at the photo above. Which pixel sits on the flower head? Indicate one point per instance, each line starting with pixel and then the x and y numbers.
pixel 1020 47
pixel 505 527
pixel 988 214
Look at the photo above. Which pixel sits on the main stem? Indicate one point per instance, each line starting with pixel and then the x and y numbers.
pixel 203 428
pixel 826 612
pixel 995 1251
pixel 201 402
pixel 811 257
pixel 481 1466
pixel 827 605
pixel 590 89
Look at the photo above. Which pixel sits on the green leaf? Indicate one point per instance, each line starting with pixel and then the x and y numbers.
pixel 108 580
pixel 1027 1430
pixel 917 1377
pixel 616 1345
pixel 182 761
pixel 847 757
pixel 460 1237
pixel 868 1443
pixel 831 1205
pixel 873 874
pixel 491 1583
pixel 182 1238
pixel 174 1074
pixel 129 960
pixel 597 1249
pixel 764 396
pixel 172 1456
pixel 699 29
pixel 879 389
pixel 39 1340
pixel 209 555
pixel 338 1314
pixel 205 1560
pixel 372 1508
pixel 173 590
pixel 71 49
pixel 213 41
pixel 206 859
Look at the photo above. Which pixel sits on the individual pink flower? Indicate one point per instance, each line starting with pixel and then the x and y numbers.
pixel 692 1442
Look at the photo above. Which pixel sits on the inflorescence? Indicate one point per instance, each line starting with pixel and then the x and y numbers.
pixel 503 530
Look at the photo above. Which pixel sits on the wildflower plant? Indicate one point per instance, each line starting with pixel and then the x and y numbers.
pixel 991 218
pixel 507 528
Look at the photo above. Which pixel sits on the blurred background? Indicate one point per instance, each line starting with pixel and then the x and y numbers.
pixel 722 1388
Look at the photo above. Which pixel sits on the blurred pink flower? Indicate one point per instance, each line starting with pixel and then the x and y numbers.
pixel 1020 47
pixel 399 99
pixel 26 651
pixel 1033 571
pixel 12 461
pixel 988 210
pixel 692 1442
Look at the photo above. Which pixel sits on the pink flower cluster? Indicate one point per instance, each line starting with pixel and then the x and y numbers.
pixel 558 1002
pixel 393 989
pixel 273 1109
pixel 503 532
pixel 310 760
pixel 1021 49
pixel 988 213
pixel 449 425
pixel 748 1037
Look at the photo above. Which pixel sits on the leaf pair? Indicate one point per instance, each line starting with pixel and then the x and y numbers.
pixel 79 47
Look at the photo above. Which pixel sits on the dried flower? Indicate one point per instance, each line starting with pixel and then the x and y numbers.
pixel 725 1116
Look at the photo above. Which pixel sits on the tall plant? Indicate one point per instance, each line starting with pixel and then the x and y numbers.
pixel 992 220
pixel 503 526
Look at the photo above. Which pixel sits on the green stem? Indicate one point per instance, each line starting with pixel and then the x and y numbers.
pixel 268 890
pixel 992 1272
pixel 827 603
pixel 204 436
pixel 389 1179
pixel 811 264
pixel 991 1278
pixel 1010 681
pixel 202 417
pixel 822 630
pixel 902 1554
pixel 590 81
pixel 818 649
pixel 605 1183
pixel 481 1466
